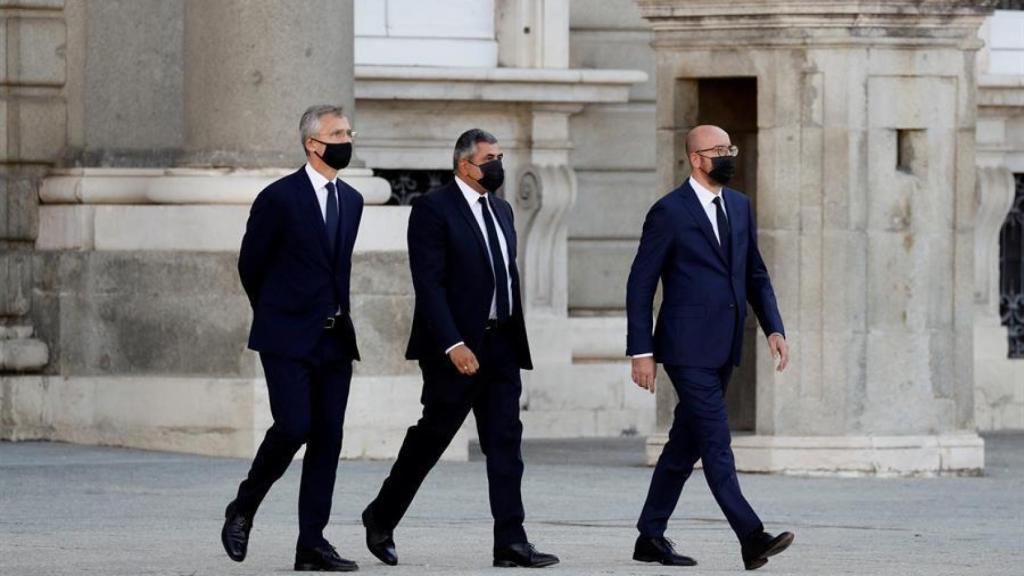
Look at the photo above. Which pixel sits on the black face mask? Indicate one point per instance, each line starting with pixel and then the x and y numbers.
pixel 336 155
pixel 723 168
pixel 494 174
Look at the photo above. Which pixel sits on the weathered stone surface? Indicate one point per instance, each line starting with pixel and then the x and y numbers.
pixel 34 50
pixel 126 123
pixel 597 273
pixel 142 313
pixel 19 204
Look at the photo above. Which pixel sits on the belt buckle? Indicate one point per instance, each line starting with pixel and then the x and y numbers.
pixel 329 325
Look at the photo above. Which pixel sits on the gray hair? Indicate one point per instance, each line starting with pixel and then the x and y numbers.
pixel 309 125
pixel 465 146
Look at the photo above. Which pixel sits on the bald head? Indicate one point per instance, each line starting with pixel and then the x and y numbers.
pixel 705 136
pixel 708 147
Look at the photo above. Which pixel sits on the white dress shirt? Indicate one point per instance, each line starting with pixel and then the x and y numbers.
pixel 473 199
pixel 707 201
pixel 320 187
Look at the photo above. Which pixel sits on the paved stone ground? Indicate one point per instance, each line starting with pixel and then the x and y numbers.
pixel 82 510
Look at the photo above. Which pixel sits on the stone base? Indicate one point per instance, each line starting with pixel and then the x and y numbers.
pixel 960 453
pixel 211 416
pixel 998 380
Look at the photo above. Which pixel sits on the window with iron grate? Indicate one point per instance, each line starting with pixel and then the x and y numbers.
pixel 1011 271
pixel 407 185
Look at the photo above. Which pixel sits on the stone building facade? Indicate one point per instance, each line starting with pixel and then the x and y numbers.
pixel 879 144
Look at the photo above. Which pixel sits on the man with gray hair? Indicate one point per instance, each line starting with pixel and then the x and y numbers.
pixel 295 265
pixel 469 337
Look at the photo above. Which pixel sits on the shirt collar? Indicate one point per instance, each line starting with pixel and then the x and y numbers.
pixel 705 196
pixel 316 178
pixel 472 196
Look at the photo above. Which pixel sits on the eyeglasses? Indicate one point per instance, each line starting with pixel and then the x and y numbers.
pixel 720 151
pixel 338 134
pixel 486 160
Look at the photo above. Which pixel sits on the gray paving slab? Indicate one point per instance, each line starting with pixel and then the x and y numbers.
pixel 68 509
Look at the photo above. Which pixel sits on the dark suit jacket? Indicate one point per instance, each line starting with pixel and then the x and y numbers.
pixel 700 292
pixel 451 273
pixel 292 282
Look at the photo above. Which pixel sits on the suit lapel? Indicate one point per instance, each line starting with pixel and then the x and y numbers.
pixel 732 213
pixel 311 212
pixel 467 215
pixel 701 217
pixel 343 220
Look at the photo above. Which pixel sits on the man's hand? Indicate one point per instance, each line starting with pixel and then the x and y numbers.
pixel 464 360
pixel 645 370
pixel 780 350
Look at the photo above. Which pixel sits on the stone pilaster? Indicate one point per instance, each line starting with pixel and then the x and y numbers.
pixel 865 209
pixel 32 114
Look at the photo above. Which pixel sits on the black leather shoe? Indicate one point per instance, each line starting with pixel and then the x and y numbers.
pixel 758 549
pixel 659 550
pixel 235 533
pixel 522 554
pixel 381 542
pixel 323 558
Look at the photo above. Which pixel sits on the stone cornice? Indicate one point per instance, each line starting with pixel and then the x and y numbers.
pixel 1001 91
pixel 546 85
pixel 813 22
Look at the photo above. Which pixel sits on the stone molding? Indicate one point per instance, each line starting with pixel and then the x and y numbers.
pixel 1000 91
pixel 495 84
pixel 176 186
pixel 817 22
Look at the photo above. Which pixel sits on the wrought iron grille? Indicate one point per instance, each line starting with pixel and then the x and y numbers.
pixel 1011 271
pixel 407 185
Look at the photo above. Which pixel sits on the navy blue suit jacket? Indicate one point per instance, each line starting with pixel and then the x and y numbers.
pixel 701 294
pixel 451 273
pixel 286 269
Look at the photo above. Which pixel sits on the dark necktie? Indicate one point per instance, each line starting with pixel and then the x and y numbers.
pixel 497 262
pixel 331 218
pixel 724 235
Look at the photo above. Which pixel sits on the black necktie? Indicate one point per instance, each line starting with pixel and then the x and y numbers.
pixel 497 262
pixel 331 218
pixel 724 236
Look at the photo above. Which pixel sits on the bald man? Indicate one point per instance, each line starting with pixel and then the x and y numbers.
pixel 701 243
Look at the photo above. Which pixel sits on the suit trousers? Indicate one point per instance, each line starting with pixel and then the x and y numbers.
pixel 307 400
pixel 493 396
pixel 700 430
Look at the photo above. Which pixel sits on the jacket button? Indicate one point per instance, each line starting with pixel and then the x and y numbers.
pixel 732 306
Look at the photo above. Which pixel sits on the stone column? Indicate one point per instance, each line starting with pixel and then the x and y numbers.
pixel 251 68
pixel 865 209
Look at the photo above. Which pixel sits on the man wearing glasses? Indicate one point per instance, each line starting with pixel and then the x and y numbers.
pixel 700 241
pixel 295 265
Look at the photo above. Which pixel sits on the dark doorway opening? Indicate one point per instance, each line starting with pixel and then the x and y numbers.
pixel 731 103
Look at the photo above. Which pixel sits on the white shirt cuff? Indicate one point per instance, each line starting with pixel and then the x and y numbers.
pixel 645 355
pixel 453 347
